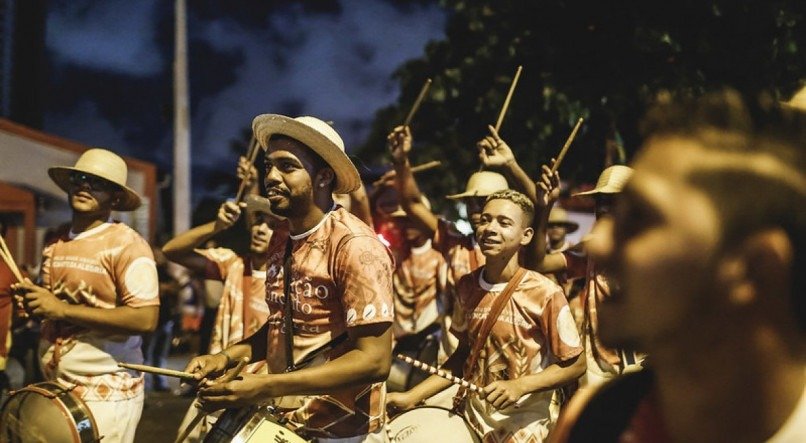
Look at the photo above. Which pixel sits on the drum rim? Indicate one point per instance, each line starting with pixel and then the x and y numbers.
pixel 473 432
pixel 55 391
pixel 254 416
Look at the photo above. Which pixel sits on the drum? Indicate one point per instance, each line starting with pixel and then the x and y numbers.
pixel 429 424
pixel 46 412
pixel 254 424
pixel 424 348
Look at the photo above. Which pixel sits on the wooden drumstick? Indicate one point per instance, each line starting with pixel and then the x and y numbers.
pixel 156 370
pixel 251 155
pixel 228 377
pixel 5 254
pixel 566 146
pixel 439 372
pixel 509 97
pixel 415 169
pixel 417 102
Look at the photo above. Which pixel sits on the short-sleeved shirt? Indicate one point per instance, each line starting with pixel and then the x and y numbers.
pixel 602 360
pixel 463 256
pixel 418 281
pixel 341 278
pixel 534 330
pixel 105 267
pixel 243 309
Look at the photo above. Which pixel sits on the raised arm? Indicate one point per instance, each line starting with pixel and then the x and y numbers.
pixel 495 154
pixel 181 249
pixel 399 142
pixel 548 191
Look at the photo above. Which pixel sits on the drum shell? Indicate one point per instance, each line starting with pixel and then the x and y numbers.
pixel 250 425
pixel 430 424
pixel 25 416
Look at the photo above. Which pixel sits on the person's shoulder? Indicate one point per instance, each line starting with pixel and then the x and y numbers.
pixel 342 225
pixel 536 280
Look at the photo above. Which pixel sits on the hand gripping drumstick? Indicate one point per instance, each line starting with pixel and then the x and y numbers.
pixel 228 377
pixel 567 145
pixel 417 102
pixel 439 372
pixel 156 370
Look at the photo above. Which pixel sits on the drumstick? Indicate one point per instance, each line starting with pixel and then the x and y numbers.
pixel 439 372
pixel 251 155
pixel 228 377
pixel 156 370
pixel 509 97
pixel 566 146
pixel 415 169
pixel 417 102
pixel 5 253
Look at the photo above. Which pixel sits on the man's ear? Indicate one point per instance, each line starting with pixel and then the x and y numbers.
pixel 528 233
pixel 325 177
pixel 761 264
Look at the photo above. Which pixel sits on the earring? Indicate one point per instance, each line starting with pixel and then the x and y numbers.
pixel 321 185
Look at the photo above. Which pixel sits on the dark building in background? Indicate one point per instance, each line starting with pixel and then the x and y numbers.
pixel 22 61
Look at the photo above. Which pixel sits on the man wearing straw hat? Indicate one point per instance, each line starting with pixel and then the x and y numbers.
pixel 329 289
pixel 99 293
pixel 602 362
pixel 558 227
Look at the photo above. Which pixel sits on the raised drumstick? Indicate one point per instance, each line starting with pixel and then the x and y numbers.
pixel 509 97
pixel 5 254
pixel 156 370
pixel 251 155
pixel 566 146
pixel 419 168
pixel 417 102
pixel 439 372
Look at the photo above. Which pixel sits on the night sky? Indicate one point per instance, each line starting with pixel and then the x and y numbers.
pixel 110 69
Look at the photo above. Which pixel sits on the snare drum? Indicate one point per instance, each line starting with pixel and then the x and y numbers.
pixel 422 347
pixel 46 412
pixel 253 424
pixel 429 424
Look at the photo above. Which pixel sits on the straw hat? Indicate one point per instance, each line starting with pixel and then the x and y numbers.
pixel 104 164
pixel 798 101
pixel 611 181
pixel 316 135
pixel 399 212
pixel 482 184
pixel 558 216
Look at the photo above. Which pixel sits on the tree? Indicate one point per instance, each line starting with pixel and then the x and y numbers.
pixel 605 61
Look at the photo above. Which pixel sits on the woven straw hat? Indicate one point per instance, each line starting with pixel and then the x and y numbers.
pixel 558 216
pixel 319 137
pixel 104 164
pixel 482 184
pixel 798 101
pixel 611 181
pixel 399 212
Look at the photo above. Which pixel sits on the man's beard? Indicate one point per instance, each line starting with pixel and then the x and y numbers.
pixel 297 204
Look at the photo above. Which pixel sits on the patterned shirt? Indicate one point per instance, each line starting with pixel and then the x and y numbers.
pixel 535 330
pixel 243 308
pixel 104 267
pixel 418 281
pixel 341 277
pixel 463 256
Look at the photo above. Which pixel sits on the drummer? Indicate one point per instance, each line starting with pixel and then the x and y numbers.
pixel 533 346
pixel 337 304
pixel 99 293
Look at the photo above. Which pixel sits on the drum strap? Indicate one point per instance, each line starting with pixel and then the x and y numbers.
pixel 484 333
pixel 288 311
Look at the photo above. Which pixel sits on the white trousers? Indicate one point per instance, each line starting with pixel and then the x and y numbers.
pixel 117 420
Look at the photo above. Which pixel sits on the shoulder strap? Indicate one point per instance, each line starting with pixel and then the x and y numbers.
pixel 288 312
pixel 484 332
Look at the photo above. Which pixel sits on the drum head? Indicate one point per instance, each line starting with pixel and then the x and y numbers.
pixel 30 416
pixel 429 424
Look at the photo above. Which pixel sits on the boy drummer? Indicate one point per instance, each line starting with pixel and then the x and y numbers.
pixel 533 346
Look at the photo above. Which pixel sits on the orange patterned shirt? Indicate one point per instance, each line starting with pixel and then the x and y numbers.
pixel 105 267
pixel 535 330
pixel 341 277
pixel 418 281
pixel 243 308
pixel 463 256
